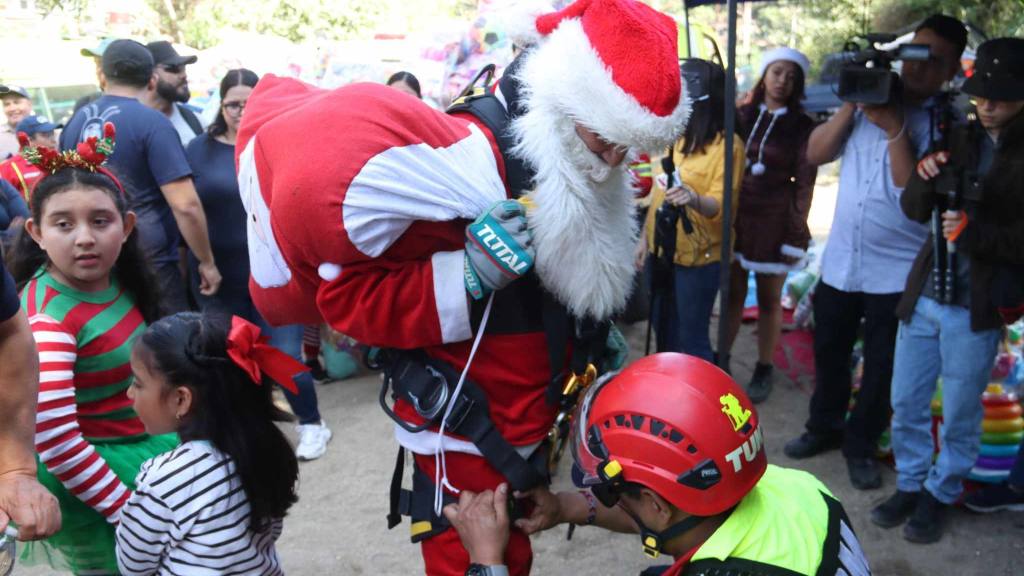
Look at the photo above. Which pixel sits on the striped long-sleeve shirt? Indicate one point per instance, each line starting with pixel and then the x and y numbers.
pixel 190 515
pixel 84 342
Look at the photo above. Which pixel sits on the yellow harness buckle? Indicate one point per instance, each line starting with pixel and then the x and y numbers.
pixel 421 527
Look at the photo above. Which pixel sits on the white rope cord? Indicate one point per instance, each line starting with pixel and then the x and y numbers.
pixel 440 464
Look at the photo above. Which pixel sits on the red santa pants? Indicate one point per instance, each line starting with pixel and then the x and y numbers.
pixel 443 554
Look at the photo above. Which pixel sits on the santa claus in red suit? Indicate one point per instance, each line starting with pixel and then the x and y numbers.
pixel 392 222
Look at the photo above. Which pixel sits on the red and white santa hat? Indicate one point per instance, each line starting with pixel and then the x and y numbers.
pixel 612 65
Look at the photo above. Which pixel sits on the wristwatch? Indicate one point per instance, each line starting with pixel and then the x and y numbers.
pixel 481 570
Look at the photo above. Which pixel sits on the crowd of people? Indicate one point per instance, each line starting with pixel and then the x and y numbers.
pixel 171 273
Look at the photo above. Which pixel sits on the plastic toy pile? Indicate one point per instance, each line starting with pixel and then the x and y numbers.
pixel 1002 427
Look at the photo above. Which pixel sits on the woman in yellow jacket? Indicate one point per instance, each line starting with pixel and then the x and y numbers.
pixel 685 291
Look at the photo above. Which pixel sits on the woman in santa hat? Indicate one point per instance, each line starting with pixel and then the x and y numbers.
pixel 775 197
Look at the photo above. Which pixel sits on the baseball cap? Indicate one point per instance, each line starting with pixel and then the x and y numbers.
pixel 127 60
pixel 164 53
pixel 11 89
pixel 32 125
pixel 998 70
pixel 97 51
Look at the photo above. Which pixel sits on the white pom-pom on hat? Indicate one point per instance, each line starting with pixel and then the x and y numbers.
pixel 519 17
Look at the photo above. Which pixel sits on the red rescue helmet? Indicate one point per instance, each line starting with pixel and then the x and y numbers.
pixel 675 424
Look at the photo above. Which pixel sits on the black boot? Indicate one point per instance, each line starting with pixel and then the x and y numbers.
pixel 926 523
pixel 811 444
pixel 317 371
pixel 864 473
pixel 760 385
pixel 896 509
pixel 723 363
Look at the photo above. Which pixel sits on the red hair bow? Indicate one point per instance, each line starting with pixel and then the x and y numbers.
pixel 249 350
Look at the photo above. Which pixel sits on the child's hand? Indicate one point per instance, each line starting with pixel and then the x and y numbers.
pixel 930 165
pixel 953 224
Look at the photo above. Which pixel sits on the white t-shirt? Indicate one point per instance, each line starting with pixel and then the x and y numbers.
pixel 190 515
pixel 184 130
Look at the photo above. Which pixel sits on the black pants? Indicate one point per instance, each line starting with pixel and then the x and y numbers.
pixel 837 316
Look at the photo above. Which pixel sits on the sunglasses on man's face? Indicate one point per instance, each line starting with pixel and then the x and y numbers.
pixel 173 69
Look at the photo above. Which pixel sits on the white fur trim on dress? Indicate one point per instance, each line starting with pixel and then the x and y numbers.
pixel 566 74
pixel 584 232
pixel 776 267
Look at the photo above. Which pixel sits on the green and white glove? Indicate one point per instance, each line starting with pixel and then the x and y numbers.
pixel 499 249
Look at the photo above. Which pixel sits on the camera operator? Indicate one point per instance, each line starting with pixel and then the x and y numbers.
pixel 870 251
pixel 950 324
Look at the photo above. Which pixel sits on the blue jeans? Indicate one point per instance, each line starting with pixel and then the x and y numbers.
pixel 289 340
pixel 938 341
pixel 1016 478
pixel 694 295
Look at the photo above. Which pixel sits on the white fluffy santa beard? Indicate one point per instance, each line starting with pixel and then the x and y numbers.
pixel 582 219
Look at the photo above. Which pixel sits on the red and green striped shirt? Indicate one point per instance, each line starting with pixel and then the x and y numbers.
pixel 84 341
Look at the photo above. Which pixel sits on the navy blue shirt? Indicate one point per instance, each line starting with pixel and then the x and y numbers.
pixel 213 172
pixel 12 206
pixel 8 295
pixel 147 155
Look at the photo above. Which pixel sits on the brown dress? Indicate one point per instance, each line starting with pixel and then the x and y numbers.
pixel 774 200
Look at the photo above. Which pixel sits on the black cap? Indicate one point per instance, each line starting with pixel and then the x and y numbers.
pixel 164 53
pixel 998 70
pixel 127 60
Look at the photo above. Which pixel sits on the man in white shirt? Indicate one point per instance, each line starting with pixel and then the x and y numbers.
pixel 171 91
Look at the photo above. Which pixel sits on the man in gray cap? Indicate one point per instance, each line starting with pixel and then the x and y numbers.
pixel 149 159
pixel 171 92
pixel 17 105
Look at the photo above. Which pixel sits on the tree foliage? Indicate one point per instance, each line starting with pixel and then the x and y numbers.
pixel 820 27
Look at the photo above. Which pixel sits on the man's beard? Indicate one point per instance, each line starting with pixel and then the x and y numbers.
pixel 590 165
pixel 582 219
pixel 171 93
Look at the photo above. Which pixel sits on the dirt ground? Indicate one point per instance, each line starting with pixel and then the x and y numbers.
pixel 338 526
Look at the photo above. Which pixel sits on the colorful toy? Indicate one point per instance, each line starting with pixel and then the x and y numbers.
pixel 1002 431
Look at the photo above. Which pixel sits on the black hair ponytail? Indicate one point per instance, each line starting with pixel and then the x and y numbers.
pixel 228 409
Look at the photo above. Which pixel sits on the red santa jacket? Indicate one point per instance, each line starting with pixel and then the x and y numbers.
pixel 20 174
pixel 357 203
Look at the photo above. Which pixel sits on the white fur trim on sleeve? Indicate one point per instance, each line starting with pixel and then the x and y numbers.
pixel 409 183
pixel 266 262
pixel 565 72
pixel 450 295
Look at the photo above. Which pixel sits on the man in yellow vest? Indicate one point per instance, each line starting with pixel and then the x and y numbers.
pixel 672 449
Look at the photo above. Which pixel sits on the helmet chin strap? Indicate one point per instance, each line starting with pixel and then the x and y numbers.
pixel 652 541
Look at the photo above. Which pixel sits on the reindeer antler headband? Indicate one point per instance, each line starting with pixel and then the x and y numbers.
pixel 89 155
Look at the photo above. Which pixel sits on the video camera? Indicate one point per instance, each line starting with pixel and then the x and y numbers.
pixel 868 77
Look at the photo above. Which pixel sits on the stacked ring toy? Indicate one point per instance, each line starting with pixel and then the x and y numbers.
pixel 1002 430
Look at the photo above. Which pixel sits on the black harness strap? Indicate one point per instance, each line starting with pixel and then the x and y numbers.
pixel 429 386
pixel 395 512
pixel 488 109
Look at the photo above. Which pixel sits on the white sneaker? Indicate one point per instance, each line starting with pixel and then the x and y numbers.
pixel 313 439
